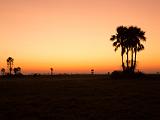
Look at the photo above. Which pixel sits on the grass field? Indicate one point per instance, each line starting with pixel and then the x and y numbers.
pixel 79 98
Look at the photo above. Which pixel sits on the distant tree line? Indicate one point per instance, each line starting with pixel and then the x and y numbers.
pixel 10 64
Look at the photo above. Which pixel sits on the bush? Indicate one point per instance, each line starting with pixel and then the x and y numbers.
pixel 126 75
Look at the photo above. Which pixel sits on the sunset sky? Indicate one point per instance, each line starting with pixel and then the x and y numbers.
pixel 72 36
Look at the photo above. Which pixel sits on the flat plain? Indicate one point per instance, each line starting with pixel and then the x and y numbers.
pixel 79 98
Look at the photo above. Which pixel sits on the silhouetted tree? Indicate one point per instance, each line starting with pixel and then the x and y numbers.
pixel 119 41
pixel 10 64
pixel 129 39
pixel 3 71
pixel 133 43
pixel 17 70
pixel 51 71
pixel 92 71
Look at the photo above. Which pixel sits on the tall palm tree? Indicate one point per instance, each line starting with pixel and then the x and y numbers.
pixel 119 41
pixel 10 64
pixel 134 37
pixel 139 46
pixel 129 40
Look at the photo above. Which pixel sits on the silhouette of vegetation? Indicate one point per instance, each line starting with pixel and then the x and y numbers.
pixel 118 41
pixel 3 71
pixel 129 40
pixel 17 71
pixel 51 71
pixel 10 64
pixel 118 75
pixel 92 71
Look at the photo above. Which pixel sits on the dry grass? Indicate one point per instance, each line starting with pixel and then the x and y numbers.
pixel 79 98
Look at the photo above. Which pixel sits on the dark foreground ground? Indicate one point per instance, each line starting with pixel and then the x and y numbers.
pixel 79 98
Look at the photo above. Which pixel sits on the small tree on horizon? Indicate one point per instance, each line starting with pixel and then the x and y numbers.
pixel 51 71
pixel 3 71
pixel 92 71
pixel 17 70
pixel 10 64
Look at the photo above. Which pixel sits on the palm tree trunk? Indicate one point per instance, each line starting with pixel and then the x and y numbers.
pixel 122 61
pixel 10 68
pixel 127 60
pixel 51 73
pixel 132 67
pixel 135 57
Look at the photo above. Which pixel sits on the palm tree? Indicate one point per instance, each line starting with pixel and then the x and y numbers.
pixel 92 71
pixel 119 41
pixel 134 37
pixel 139 46
pixel 129 39
pixel 51 71
pixel 10 64
pixel 17 70
pixel 3 71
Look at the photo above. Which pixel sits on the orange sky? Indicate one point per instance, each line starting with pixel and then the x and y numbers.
pixel 72 36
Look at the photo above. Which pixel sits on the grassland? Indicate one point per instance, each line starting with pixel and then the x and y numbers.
pixel 79 98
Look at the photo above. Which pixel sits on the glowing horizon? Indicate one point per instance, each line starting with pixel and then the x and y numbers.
pixel 72 36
